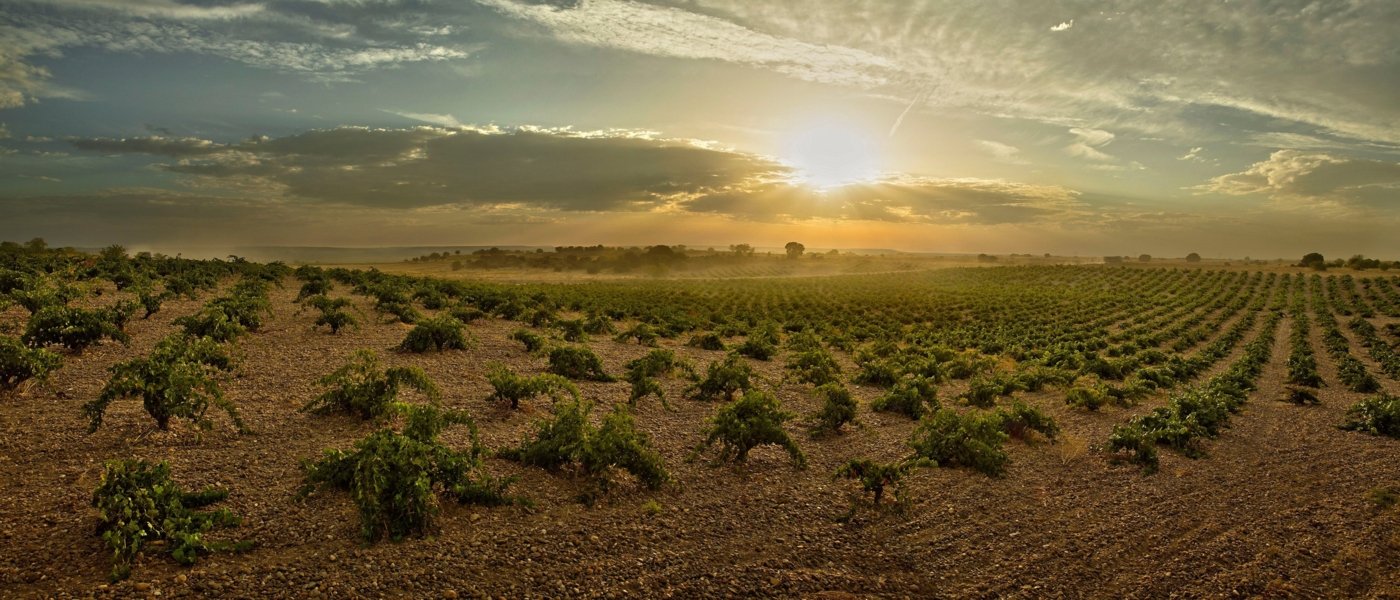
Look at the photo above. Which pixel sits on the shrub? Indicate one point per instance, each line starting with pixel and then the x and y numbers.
pixel 1130 442
pixel 956 440
pixel 72 328
pixel 617 444
pixel 120 312
pixel 336 320
pixel 643 333
pixel 875 477
pixel 151 301
pixel 395 477
pixel 326 304
pixel 761 344
pixel 513 388
pixel 569 438
pixel 1377 415
pixel 533 341
pixel 542 317
pixel 175 380
pixel 758 348
pixel 983 391
pixel 137 503
pixel 37 294
pixel 365 389
pixel 642 374
pixel 466 313
pixel 876 371
pixel 19 363
pixel 1354 375
pixel 755 419
pixel 401 310
pixel 838 407
pixel 1383 497
pixel 910 396
pixel 314 287
pixel 598 324
pixel 436 334
pixel 1087 392
pixel 211 323
pixel 1020 419
pixel 571 330
pixel 814 366
pixel 577 362
pixel 723 378
pixel 706 341
pixel 246 308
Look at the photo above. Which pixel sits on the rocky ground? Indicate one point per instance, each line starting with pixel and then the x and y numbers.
pixel 1278 509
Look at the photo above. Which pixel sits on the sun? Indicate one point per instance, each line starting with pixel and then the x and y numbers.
pixel 831 155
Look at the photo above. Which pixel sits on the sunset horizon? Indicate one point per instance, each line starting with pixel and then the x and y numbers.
pixel 1070 128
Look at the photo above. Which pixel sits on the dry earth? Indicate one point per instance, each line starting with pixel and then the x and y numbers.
pixel 1278 509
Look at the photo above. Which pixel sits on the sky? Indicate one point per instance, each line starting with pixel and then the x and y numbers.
pixel 1228 128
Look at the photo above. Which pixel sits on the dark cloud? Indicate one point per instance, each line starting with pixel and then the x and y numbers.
pixel 157 145
pixel 564 170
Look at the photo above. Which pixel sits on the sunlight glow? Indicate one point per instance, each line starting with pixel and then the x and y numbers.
pixel 829 155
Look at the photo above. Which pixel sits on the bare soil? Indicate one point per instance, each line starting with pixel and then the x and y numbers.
pixel 1278 509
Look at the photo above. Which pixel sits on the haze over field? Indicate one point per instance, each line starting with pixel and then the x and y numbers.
pixel 1224 128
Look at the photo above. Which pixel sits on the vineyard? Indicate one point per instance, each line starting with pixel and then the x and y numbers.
pixel 195 428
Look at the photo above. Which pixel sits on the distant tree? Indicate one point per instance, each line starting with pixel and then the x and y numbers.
pixel 37 243
pixel 1362 263
pixel 1313 260
pixel 1145 258
pixel 1193 257
pixel 794 249
pixel 741 249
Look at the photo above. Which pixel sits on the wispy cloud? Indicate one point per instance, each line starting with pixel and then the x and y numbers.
pixel 1005 153
pixel 444 120
pixel 1087 143
pixel 1063 25
pixel 675 32
pixel 169 9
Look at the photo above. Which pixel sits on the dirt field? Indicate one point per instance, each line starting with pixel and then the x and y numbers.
pixel 1278 509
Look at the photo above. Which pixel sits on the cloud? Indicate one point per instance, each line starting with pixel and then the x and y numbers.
pixel 1154 69
pixel 1194 154
pixel 902 200
pixel 261 35
pixel 158 145
pixel 1001 152
pixel 1087 143
pixel 432 166
pixel 435 119
pixel 679 33
pixel 164 8
pixel 542 171
pixel 1310 176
